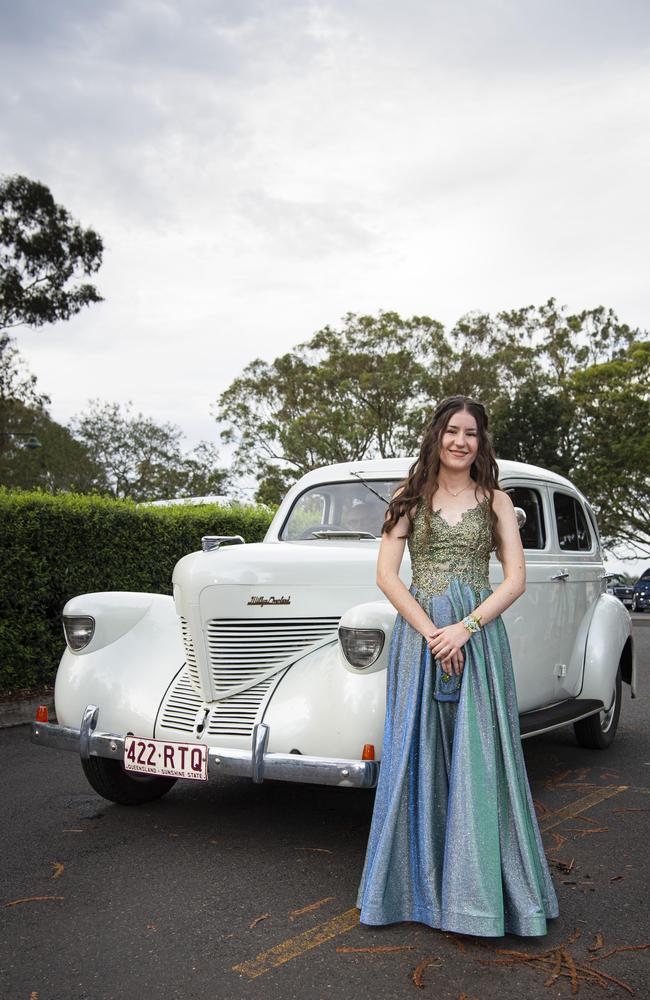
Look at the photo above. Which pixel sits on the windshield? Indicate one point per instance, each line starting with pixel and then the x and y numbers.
pixel 339 507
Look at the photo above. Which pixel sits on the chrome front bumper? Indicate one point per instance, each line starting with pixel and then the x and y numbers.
pixel 255 763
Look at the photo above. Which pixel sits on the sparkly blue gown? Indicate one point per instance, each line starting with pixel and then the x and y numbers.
pixel 454 841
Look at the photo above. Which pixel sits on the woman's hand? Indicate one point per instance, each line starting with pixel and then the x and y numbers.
pixel 446 645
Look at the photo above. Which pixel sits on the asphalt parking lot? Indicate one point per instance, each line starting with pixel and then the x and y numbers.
pixel 240 890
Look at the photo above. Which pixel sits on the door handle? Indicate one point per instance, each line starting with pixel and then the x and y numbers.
pixel 562 575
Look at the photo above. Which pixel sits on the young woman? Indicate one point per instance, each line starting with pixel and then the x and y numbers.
pixel 454 841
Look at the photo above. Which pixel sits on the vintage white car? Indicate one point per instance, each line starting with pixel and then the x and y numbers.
pixel 270 659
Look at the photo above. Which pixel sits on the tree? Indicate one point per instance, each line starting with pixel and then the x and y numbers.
pixel 528 426
pixel 44 257
pixel 611 424
pixel 342 396
pixel 59 463
pixel 143 460
pixel 554 383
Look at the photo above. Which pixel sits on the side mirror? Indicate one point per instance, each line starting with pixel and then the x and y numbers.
pixel 521 516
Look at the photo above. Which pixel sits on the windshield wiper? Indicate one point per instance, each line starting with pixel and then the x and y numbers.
pixel 357 476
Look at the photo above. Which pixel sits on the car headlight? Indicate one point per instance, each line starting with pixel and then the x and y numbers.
pixel 361 646
pixel 79 630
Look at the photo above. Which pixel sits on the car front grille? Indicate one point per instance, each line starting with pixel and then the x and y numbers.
pixel 240 649
pixel 235 716
pixel 181 705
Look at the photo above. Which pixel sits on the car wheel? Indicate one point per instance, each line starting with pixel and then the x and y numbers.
pixel 598 731
pixel 111 781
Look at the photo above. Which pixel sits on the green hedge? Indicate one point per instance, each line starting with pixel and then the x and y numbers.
pixel 54 547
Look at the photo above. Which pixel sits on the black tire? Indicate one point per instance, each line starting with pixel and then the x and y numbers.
pixel 598 731
pixel 111 781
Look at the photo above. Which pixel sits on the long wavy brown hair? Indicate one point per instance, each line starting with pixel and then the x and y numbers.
pixel 422 480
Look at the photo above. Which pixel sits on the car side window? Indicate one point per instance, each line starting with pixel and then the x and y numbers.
pixel 533 532
pixel 584 535
pixel 593 525
pixel 572 529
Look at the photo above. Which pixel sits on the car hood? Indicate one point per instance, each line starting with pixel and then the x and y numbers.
pixel 263 564
pixel 279 579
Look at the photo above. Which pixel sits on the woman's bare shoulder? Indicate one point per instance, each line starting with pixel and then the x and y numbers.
pixel 501 502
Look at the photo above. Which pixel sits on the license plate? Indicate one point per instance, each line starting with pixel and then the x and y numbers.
pixel 171 760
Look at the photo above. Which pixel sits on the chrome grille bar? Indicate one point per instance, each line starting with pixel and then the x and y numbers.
pixel 190 655
pixel 241 648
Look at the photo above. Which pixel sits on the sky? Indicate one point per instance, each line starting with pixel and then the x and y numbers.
pixel 258 170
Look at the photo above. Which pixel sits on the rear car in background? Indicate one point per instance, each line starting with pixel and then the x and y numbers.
pixel 641 593
pixel 619 587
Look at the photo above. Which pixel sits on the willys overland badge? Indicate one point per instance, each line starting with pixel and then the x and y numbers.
pixel 262 601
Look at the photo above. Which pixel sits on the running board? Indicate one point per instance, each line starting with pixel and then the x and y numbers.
pixel 541 721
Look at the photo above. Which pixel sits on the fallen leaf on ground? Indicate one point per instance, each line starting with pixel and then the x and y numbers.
pixel 585 833
pixel 617 878
pixel 262 916
pixel 599 942
pixel 379 950
pixel 558 962
pixel 58 867
pixel 418 972
pixel 615 951
pixel 559 840
pixel 312 906
pixel 564 866
pixel 33 899
pixel 554 779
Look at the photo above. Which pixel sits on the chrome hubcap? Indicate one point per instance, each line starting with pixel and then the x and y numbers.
pixel 606 717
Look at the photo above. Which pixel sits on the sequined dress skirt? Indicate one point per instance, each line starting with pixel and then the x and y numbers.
pixel 454 841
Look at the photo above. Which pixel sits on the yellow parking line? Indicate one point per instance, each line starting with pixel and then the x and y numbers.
pixel 579 806
pixel 295 946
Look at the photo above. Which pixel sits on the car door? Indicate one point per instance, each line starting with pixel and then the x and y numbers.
pixel 577 579
pixel 529 621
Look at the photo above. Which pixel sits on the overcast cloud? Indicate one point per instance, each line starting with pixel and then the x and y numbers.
pixel 257 170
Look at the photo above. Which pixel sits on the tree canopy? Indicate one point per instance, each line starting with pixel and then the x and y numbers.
pixel 45 257
pixel 58 464
pixel 561 389
pixel 140 459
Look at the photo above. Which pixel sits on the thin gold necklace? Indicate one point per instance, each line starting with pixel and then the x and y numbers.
pixel 451 492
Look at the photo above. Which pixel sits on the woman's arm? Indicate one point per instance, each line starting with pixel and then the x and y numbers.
pixel 512 559
pixel 391 552
pixel 447 641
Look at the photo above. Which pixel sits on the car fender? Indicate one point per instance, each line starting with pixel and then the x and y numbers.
pixel 609 643
pixel 321 709
pixel 126 668
pixel 374 615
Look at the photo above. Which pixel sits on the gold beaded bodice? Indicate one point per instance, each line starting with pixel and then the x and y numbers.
pixel 442 552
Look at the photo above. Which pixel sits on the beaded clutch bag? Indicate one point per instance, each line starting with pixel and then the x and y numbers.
pixel 447 685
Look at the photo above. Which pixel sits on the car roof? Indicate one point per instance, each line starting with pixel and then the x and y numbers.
pixel 397 468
